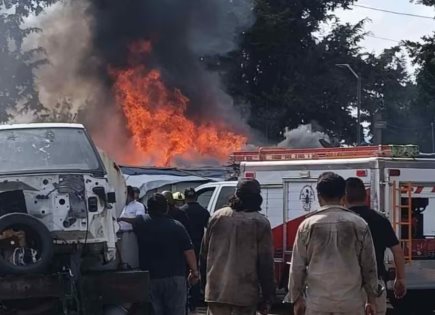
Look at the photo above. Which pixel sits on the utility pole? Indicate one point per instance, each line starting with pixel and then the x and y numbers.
pixel 358 109
pixel 378 126
pixel 358 100
pixel 433 137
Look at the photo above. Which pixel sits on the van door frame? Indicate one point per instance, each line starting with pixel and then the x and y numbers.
pixel 286 181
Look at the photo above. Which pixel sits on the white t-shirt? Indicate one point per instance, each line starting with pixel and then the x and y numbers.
pixel 132 210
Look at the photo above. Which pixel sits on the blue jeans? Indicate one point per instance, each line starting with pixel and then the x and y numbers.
pixel 168 296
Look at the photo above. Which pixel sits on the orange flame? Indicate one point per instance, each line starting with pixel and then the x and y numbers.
pixel 156 118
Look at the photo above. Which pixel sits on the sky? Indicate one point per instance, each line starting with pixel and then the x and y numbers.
pixel 391 26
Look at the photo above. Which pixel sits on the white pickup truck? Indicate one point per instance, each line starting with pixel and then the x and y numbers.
pixel 59 199
pixel 215 195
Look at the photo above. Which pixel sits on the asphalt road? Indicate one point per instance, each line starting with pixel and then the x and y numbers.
pixel 277 310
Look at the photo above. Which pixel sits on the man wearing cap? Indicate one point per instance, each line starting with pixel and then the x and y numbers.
pixel 237 256
pixel 198 217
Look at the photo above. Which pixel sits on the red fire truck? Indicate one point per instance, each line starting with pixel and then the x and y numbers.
pixel 400 182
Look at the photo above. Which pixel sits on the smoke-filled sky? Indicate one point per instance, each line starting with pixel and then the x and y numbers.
pixel 84 39
pixel 180 33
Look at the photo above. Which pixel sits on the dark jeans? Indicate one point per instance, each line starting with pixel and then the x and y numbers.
pixel 168 296
pixel 194 296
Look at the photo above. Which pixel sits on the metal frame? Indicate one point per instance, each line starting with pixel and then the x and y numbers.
pixel 286 184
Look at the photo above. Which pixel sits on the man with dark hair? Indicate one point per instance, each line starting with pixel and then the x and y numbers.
pixel 128 242
pixel 333 259
pixel 383 238
pixel 136 193
pixel 237 256
pixel 164 249
pixel 198 217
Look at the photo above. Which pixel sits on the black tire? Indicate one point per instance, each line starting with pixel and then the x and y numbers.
pixel 45 246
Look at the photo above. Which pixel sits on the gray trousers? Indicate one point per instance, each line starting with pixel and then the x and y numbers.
pixel 168 296
pixel 129 251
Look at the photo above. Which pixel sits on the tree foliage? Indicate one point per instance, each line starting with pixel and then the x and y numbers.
pixel 287 71
pixel 16 65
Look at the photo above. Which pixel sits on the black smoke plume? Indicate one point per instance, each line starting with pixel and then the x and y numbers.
pixel 181 33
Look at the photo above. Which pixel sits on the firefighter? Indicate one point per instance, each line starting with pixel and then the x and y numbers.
pixel 179 199
pixel 383 238
pixel 333 260
pixel 175 212
pixel 237 256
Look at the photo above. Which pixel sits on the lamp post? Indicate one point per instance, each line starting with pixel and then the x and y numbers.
pixel 358 100
pixel 433 137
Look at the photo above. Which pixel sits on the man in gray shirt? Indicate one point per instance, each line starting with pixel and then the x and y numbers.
pixel 333 264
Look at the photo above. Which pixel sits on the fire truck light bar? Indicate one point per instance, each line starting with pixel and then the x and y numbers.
pixel 283 154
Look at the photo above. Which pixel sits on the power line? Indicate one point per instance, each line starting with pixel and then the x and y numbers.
pixel 383 38
pixel 394 12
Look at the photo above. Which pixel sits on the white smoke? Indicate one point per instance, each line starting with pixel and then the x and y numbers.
pixel 303 137
pixel 66 39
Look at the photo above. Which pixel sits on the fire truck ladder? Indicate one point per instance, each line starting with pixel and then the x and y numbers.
pixel 402 221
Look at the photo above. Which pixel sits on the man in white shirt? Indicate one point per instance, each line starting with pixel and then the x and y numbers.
pixel 128 244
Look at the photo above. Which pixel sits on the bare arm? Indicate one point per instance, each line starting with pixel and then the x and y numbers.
pixel 191 260
pixel 190 256
pixel 399 262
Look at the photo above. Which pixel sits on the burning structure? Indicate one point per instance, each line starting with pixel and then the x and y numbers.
pixel 137 76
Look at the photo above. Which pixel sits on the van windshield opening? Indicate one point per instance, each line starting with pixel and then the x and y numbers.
pixel 46 149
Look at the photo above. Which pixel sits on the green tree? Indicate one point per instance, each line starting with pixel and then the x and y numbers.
pixel 16 65
pixel 289 76
pixel 423 108
pixel 279 64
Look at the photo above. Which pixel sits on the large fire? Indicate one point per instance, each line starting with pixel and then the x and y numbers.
pixel 156 117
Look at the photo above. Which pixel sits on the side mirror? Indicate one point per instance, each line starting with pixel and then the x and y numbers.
pixel 111 197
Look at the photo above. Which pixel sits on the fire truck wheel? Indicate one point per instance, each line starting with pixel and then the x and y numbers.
pixel 26 243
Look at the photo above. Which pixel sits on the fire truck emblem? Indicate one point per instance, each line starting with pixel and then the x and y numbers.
pixel 307 197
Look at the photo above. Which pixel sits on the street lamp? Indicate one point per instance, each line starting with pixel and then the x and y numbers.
pixel 358 97
pixel 433 137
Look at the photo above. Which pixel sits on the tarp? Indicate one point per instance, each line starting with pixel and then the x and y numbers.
pixel 149 178
pixel 149 182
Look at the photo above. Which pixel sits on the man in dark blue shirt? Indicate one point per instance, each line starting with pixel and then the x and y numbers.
pixel 164 250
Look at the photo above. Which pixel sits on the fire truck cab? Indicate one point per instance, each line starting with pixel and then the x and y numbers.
pixel 400 182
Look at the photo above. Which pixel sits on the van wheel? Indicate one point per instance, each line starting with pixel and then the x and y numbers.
pixel 26 245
